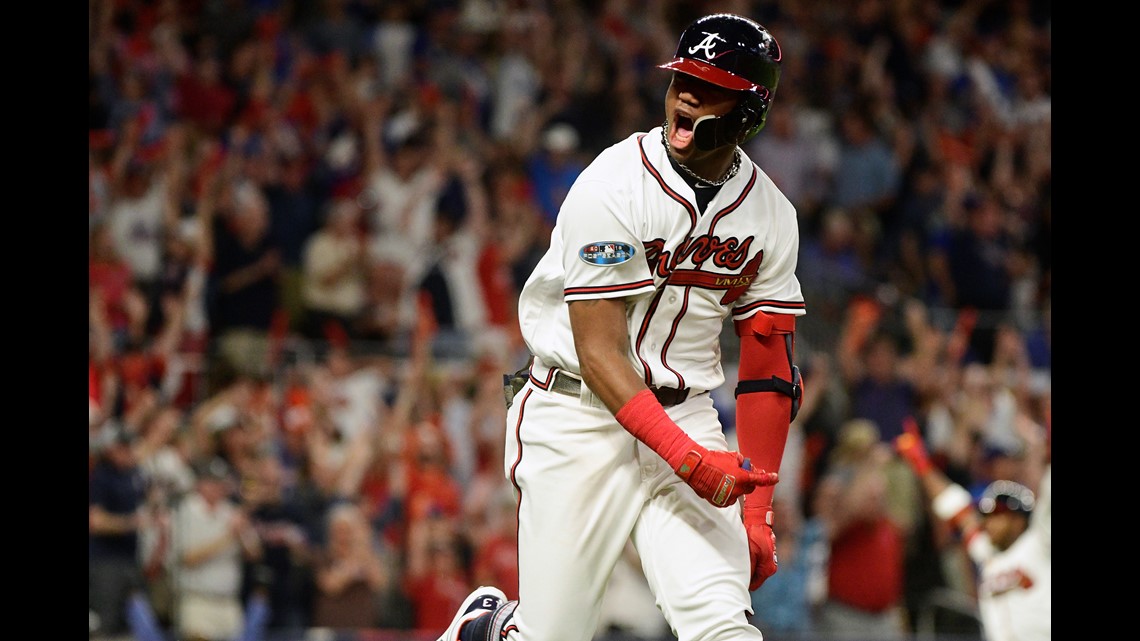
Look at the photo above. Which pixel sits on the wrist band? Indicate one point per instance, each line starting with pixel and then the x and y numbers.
pixel 644 418
pixel 951 501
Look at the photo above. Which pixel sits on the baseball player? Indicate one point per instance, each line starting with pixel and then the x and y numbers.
pixel 614 436
pixel 1008 535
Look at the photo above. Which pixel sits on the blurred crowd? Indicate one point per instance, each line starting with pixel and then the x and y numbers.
pixel 309 221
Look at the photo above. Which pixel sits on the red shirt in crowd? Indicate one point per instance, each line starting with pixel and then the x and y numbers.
pixel 497 563
pixel 435 598
pixel 111 279
pixel 866 566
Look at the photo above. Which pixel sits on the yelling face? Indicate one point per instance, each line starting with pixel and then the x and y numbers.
pixel 688 99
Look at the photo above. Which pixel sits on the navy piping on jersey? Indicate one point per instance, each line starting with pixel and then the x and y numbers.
pixel 518 457
pixel 641 334
pixel 672 335
pixel 672 193
pixel 543 385
pixel 736 203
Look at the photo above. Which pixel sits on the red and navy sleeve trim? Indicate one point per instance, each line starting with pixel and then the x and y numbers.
pixel 777 304
pixel 608 289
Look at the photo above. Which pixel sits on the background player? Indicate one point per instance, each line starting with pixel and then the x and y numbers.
pixel 1008 535
pixel 614 436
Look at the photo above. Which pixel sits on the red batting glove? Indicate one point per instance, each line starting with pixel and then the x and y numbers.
pixel 910 446
pixel 761 543
pixel 719 477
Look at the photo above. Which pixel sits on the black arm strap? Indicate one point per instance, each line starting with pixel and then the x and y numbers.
pixel 793 388
pixel 774 384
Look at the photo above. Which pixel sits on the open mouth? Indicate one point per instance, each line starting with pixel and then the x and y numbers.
pixel 681 131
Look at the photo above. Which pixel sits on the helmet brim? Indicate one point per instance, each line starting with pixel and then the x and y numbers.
pixel 709 73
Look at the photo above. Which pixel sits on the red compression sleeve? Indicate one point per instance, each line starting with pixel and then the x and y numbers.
pixel 762 418
pixel 644 417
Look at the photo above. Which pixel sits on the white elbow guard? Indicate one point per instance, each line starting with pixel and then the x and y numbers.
pixel 951 501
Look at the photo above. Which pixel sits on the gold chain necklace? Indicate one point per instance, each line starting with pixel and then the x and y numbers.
pixel 711 183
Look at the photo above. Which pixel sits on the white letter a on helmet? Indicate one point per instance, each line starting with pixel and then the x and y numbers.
pixel 707 44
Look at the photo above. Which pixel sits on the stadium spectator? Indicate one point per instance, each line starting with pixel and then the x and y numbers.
pixel 865 560
pixel 866 176
pixel 351 573
pixel 138 218
pixel 437 577
pixel 795 151
pixel 451 278
pixel 285 568
pixel 114 297
pixel 554 167
pixel 202 96
pixel 212 537
pixel 334 264
pixel 972 265
pixel 244 289
pixel 834 270
pixel 495 555
pixel 295 195
pixel 404 177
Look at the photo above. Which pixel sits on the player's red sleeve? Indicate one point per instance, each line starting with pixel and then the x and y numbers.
pixel 767 399
pixel 767 391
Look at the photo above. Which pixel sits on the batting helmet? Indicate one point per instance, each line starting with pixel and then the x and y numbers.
pixel 736 53
pixel 1006 496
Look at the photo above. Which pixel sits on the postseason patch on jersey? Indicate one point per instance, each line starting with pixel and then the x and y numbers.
pixel 607 252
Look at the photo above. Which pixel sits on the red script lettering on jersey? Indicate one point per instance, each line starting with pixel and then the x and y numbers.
pixel 727 254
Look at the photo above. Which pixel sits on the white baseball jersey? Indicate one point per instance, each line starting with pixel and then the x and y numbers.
pixel 1016 585
pixel 629 227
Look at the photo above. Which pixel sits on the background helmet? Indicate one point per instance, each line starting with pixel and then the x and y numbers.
pixel 1006 496
pixel 734 52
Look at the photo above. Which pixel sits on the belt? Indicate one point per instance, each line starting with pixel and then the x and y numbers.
pixel 668 396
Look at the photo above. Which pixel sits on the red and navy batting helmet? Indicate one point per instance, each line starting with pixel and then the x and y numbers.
pixel 736 53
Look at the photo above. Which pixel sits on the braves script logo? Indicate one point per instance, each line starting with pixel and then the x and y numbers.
pixel 729 253
pixel 707 45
